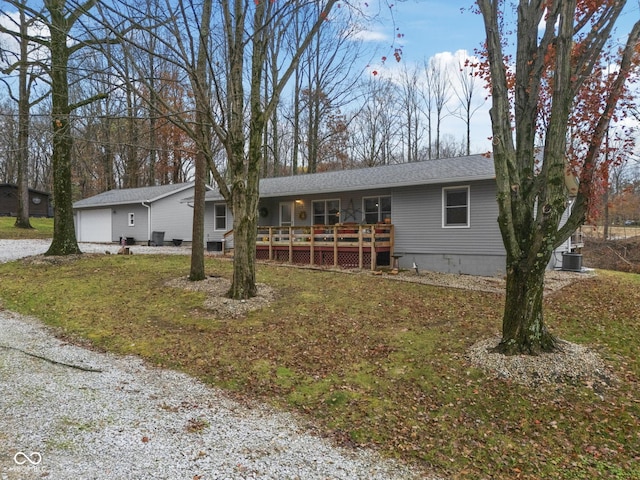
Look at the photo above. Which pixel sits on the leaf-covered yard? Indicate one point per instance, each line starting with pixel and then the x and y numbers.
pixel 367 360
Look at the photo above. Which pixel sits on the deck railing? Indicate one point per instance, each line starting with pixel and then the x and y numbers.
pixel 352 245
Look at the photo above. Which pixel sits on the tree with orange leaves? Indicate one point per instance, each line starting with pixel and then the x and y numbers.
pixel 548 91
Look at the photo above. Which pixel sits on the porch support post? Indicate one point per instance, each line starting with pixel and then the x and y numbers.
pixel 335 245
pixel 392 239
pixel 373 247
pixel 360 252
pixel 312 252
pixel 290 244
pixel 270 243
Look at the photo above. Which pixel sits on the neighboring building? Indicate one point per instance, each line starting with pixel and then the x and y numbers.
pixel 39 202
pixel 136 214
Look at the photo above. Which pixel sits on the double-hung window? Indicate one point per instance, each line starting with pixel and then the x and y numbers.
pixel 220 216
pixel 377 209
pixel 326 212
pixel 455 207
pixel 132 219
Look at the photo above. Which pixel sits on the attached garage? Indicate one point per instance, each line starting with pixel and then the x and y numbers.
pixel 94 225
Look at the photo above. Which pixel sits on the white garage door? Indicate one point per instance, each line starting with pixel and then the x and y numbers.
pixel 94 225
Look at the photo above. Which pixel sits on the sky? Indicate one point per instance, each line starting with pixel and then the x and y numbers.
pixel 449 30
pixel 446 29
pixel 435 28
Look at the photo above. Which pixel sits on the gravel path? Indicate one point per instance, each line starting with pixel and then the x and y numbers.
pixel 69 412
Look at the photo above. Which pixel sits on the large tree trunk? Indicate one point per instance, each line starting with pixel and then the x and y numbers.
pixel 64 234
pixel 243 285
pixel 203 144
pixel 22 217
pixel 197 240
pixel 245 195
pixel 554 65
pixel 523 328
pixel 245 222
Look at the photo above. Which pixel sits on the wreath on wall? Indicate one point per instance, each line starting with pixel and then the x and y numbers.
pixel 302 215
pixel 264 211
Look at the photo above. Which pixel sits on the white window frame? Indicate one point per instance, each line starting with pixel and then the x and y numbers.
pixel 326 211
pixel 445 191
pixel 378 200
pixel 216 216
pixel 131 219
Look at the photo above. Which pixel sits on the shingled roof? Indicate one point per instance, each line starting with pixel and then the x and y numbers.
pixel 132 195
pixel 445 170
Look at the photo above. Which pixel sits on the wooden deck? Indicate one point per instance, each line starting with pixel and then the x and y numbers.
pixel 346 245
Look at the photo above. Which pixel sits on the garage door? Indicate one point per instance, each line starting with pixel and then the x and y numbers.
pixel 94 225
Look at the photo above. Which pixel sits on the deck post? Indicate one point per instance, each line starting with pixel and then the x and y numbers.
pixel 270 243
pixel 373 247
pixel 360 252
pixel 312 248
pixel 335 245
pixel 392 241
pixel 290 244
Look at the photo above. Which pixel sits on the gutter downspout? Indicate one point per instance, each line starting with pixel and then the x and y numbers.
pixel 145 204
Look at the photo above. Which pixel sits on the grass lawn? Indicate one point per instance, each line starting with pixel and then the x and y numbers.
pixel 42 228
pixel 367 360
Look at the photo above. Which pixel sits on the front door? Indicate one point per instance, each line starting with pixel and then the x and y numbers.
pixel 286 214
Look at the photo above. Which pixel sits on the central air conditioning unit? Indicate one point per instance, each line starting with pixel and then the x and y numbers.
pixel 572 262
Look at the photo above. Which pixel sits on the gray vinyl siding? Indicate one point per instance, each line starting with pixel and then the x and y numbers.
pixel 210 232
pixel 173 217
pixel 416 213
pixel 120 222
pixel 417 216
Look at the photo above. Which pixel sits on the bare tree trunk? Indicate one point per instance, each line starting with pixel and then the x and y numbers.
pixel 131 166
pixel 605 216
pixel 532 193
pixel 197 243
pixel 64 235
pixel 245 175
pixel 203 130
pixel 22 217
pixel 523 328
pixel 297 94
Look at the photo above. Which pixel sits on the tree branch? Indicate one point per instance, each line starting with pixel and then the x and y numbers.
pixel 87 101
pixel 55 362
pixel 629 56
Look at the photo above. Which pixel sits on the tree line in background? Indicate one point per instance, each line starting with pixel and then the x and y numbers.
pixel 332 114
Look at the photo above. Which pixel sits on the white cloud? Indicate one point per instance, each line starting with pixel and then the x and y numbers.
pixel 452 125
pixel 370 36
pixel 7 42
pixel 10 45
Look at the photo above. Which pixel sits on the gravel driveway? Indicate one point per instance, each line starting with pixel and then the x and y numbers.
pixel 69 412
